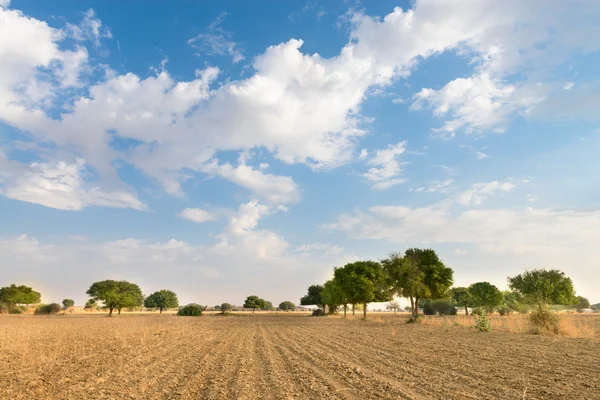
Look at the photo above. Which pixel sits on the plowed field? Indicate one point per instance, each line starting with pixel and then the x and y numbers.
pixel 284 357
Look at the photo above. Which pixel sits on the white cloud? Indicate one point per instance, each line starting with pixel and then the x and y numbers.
pixel 217 41
pixel 460 252
pixel 569 85
pixel 247 217
pixel 480 155
pixel 326 248
pixel 436 186
pixel 4 3
pixel 197 215
pixel 58 185
pixel 90 28
pixel 364 153
pixel 387 169
pixel 478 192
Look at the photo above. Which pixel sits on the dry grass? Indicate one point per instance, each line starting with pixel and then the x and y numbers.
pixel 586 326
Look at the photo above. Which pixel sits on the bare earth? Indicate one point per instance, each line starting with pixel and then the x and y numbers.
pixel 284 357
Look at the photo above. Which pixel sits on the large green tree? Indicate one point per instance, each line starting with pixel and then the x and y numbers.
pixel 484 294
pixel 462 298
pixel 544 286
pixel 363 282
pixel 116 294
pixel 254 302
pixel 162 300
pixel 333 294
pixel 287 306
pixel 313 297
pixel 21 294
pixel 418 274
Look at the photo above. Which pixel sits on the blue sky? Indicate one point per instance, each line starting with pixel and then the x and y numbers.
pixel 232 148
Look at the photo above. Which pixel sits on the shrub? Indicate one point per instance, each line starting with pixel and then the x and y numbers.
pixel 3 308
pixel 482 323
pixel 91 304
pixel 191 310
pixel 476 311
pixel 15 310
pixel 318 313
pixel 428 308
pixel 225 308
pixel 68 303
pixel 504 311
pixel 48 309
pixel 443 307
pixel 543 320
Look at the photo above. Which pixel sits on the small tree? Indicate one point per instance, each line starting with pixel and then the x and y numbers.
pixel 333 295
pixel 363 282
pixel 191 310
pixel 68 303
pixel 543 286
pixel 462 298
pixel 90 304
pixel 116 294
pixel 313 297
pixel 268 306
pixel 225 308
pixel 486 295
pixel 253 302
pixel 393 305
pixel 581 303
pixel 287 306
pixel 162 300
pixel 418 274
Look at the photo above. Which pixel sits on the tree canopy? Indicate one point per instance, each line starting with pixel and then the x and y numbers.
pixel 254 302
pixel 484 294
pixel 333 294
pixel 313 297
pixel 418 274
pixel 116 294
pixel 225 308
pixel 67 303
pixel 287 306
pixel 544 286
pixel 162 300
pixel 22 294
pixel 581 303
pixel 462 298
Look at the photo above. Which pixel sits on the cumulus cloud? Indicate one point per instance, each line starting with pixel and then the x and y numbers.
pixel 386 171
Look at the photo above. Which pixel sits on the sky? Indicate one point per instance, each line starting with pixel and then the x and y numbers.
pixel 225 149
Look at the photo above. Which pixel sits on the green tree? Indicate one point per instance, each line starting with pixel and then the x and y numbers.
pixel 363 282
pixel 544 286
pixel 67 303
pixel 226 308
pixel 116 294
pixel 162 300
pixel 313 297
pixel 462 298
pixel 267 305
pixel 22 294
pixel 581 303
pixel 333 295
pixel 287 306
pixel 253 302
pixel 91 303
pixel 486 295
pixel 393 306
pixel 418 274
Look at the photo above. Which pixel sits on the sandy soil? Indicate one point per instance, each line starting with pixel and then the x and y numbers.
pixel 284 357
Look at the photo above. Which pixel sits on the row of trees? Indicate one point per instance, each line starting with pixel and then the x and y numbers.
pixel 419 274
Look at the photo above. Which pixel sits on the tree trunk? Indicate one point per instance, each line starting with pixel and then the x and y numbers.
pixel 119 310
pixel 365 310
pixel 253 310
pixel 466 310
pixel 413 314
pixel 353 310
pixel 110 310
pixel 345 307
pixel 416 309
pixel 160 310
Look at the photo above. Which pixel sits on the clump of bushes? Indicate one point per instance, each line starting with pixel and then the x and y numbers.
pixel 482 323
pixel 504 311
pixel 318 313
pixel 48 309
pixel 442 307
pixel 543 320
pixel 191 310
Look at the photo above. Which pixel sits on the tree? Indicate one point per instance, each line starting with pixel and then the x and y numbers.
pixel 67 303
pixel 116 294
pixel 22 294
pixel 484 294
pixel 287 306
pixel 462 298
pixel 91 303
pixel 363 282
pixel 418 274
pixel 162 300
pixel 313 297
pixel 226 308
pixel 393 305
pixel 582 303
pixel 544 286
pixel 253 302
pixel 267 306
pixel 333 295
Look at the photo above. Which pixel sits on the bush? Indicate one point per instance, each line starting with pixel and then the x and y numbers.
pixel 48 309
pixel 428 308
pixel 442 307
pixel 482 323
pixel 15 310
pixel 225 308
pixel 504 311
pixel 318 313
pixel 191 310
pixel 543 320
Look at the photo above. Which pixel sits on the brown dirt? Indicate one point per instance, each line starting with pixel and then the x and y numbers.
pixel 284 357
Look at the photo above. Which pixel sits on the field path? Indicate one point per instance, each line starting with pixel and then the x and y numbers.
pixel 283 356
